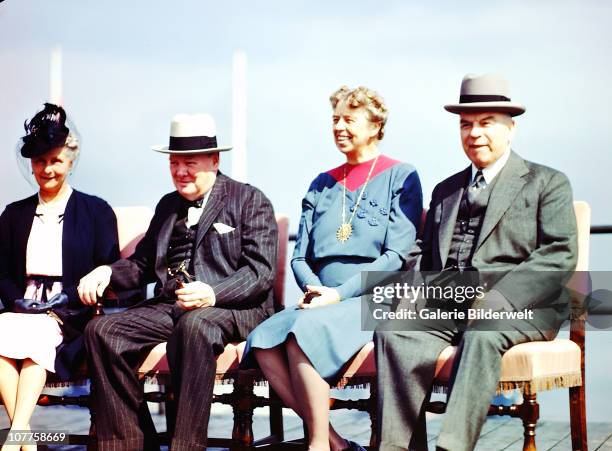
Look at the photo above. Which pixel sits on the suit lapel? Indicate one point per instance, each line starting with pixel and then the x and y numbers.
pixel 215 204
pixel 448 218
pixel 23 228
pixel 506 188
pixel 69 236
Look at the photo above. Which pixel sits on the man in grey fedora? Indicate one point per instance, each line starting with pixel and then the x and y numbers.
pixel 211 251
pixel 501 213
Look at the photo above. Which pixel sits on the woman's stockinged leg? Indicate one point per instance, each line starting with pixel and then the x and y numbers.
pixel 32 379
pixel 273 363
pixel 312 393
pixel 9 380
pixel 31 382
pixel 19 388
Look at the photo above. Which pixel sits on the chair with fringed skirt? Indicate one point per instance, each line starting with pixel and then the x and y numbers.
pixel 529 367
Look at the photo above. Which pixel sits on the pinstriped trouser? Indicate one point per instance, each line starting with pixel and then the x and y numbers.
pixel 118 343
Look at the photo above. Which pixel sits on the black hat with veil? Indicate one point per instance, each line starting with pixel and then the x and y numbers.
pixel 47 130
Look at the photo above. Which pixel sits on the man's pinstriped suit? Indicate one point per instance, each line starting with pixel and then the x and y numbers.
pixel 239 266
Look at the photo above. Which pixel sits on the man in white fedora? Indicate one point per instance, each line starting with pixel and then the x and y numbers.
pixel 504 214
pixel 211 251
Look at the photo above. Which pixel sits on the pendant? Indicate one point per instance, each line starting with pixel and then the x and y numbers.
pixel 344 232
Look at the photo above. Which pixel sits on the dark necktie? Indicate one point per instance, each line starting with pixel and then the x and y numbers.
pixel 476 187
pixel 194 203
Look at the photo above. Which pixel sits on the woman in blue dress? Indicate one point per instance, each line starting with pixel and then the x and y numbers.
pixel 361 216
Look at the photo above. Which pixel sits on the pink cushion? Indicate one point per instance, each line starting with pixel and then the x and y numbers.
pixel 240 349
pixel 444 365
pixel 132 223
pixel 157 363
pixel 363 364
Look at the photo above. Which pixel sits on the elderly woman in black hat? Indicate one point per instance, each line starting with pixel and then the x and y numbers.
pixel 48 241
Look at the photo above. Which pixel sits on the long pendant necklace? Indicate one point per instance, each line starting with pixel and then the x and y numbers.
pixel 345 230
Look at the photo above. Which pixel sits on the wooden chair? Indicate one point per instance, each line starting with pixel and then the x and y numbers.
pixel 242 398
pixel 529 367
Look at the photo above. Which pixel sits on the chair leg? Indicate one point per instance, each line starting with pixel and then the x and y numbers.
pixel 243 406
pixel 578 418
pixel 373 412
pixel 276 417
pixel 170 412
pixel 530 413
pixel 92 442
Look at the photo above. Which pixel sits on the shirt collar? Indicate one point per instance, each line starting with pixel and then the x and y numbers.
pixel 198 204
pixel 195 213
pixel 492 170
pixel 205 199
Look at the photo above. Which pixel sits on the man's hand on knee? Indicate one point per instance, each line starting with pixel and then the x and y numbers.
pixel 93 284
pixel 195 295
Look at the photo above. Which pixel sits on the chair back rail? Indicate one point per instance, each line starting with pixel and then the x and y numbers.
pixel 132 223
pixel 580 286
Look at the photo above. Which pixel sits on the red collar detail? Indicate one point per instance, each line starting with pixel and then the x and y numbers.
pixel 356 174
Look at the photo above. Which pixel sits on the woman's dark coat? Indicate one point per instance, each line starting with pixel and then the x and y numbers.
pixel 89 239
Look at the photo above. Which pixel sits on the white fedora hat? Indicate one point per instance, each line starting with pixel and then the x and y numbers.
pixel 488 92
pixel 190 134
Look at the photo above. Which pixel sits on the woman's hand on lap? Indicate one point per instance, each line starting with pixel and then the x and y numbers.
pixel 318 296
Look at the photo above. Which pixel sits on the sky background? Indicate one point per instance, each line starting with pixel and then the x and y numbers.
pixel 128 67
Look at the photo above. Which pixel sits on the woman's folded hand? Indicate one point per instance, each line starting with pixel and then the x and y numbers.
pixel 318 296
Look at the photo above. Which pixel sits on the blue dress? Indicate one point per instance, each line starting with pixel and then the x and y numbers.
pixel 385 224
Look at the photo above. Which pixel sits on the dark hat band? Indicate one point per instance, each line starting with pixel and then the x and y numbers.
pixel 473 98
pixel 192 142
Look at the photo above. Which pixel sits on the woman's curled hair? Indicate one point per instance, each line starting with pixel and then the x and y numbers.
pixel 364 97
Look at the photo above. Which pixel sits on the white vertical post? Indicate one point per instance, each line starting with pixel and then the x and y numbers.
pixel 55 76
pixel 239 117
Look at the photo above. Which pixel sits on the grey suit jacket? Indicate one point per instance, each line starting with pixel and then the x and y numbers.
pixel 239 265
pixel 528 233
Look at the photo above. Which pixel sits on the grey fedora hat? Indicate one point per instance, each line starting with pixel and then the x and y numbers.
pixel 192 134
pixel 489 92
